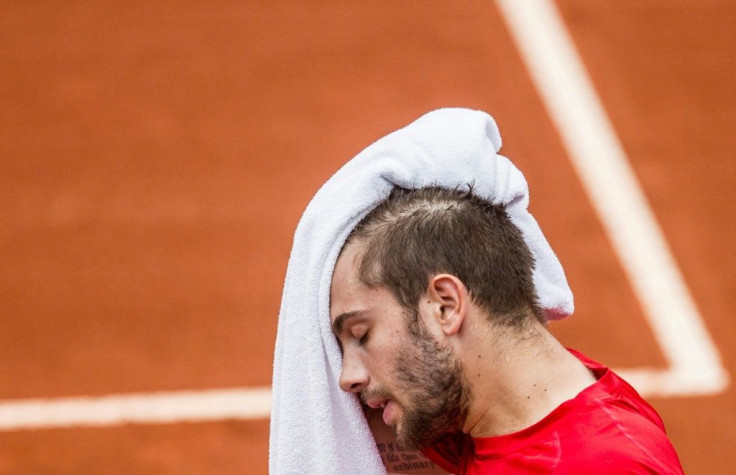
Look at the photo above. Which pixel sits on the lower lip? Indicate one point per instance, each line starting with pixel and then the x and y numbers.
pixel 388 412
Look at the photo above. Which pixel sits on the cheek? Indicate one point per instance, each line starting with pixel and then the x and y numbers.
pixel 377 364
pixel 383 350
pixel 381 362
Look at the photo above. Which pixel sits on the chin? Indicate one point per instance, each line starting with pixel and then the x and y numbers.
pixel 401 437
pixel 407 441
pixel 417 437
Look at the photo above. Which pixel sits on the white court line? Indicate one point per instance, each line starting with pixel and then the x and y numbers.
pixel 146 408
pixel 598 157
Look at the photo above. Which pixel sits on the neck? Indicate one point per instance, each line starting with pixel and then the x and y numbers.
pixel 517 378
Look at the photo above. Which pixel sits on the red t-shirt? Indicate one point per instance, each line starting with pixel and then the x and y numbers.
pixel 607 428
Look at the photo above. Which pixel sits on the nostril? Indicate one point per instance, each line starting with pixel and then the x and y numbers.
pixel 354 386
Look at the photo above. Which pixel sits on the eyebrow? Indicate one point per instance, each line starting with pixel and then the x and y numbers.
pixel 342 318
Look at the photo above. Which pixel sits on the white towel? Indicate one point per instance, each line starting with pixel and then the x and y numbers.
pixel 315 427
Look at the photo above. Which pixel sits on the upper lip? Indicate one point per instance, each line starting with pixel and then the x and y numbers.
pixel 375 403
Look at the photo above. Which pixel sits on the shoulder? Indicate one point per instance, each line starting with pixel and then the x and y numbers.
pixel 616 439
pixel 617 459
pixel 612 429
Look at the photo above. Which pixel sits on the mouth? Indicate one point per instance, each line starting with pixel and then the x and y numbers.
pixel 377 403
pixel 387 406
pixel 389 412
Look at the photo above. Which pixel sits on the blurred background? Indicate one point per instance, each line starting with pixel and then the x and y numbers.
pixel 155 158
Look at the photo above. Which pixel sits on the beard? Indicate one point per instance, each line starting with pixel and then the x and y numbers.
pixel 437 393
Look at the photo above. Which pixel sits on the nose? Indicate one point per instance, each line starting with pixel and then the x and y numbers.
pixel 354 376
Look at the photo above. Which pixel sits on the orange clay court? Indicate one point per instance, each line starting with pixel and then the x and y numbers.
pixel 155 159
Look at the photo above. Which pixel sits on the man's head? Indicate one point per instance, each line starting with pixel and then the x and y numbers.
pixel 414 234
pixel 424 256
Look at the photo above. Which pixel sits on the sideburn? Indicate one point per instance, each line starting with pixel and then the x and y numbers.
pixel 436 386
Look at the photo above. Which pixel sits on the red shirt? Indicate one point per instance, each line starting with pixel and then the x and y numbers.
pixel 607 428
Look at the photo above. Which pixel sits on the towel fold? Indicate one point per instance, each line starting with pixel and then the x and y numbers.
pixel 316 427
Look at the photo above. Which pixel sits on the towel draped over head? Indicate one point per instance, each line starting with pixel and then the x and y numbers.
pixel 316 427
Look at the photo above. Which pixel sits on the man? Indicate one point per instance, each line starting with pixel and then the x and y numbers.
pixel 433 303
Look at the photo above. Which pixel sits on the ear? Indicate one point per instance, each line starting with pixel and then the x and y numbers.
pixel 449 297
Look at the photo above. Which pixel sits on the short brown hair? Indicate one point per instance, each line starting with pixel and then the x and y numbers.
pixel 416 233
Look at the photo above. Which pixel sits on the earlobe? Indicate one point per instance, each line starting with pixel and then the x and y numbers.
pixel 449 295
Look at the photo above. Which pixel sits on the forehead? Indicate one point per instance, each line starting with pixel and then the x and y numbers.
pixel 346 291
pixel 350 296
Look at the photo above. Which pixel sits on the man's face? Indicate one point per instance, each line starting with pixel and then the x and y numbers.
pixel 391 364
